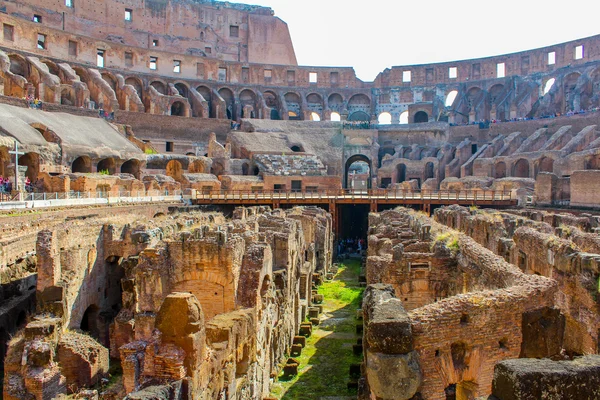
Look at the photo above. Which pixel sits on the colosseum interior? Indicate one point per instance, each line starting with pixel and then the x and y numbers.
pixel 187 213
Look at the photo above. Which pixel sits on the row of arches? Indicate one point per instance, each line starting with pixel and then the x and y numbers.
pixel 385 118
pixel 522 168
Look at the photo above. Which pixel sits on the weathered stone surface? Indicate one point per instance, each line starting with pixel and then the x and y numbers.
pixel 529 379
pixel 393 376
pixel 543 332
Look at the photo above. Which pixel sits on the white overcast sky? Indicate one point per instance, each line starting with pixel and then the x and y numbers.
pixel 377 34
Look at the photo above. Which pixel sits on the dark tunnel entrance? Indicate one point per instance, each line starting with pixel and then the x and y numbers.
pixel 354 220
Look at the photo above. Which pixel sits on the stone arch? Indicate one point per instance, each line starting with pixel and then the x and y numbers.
pixel 272 101
pixel 294 105
pixel 385 118
pixel 19 65
pixel 229 99
pixel 48 135
pixel 360 103
pixel 521 168
pixel 359 116
pixel 355 158
pixel 160 86
pixel 336 102
pixel 182 88
pixel 174 170
pixel 500 170
pixel 570 95
pixel 137 85
pixel 335 116
pixel 420 117
pixel 32 162
pixel 107 164
pixel 217 168
pixel 52 67
pixel 197 167
pixel 248 101
pixel 383 151
pixel 314 102
pixel 178 109
pixel 110 80
pixel 82 164
pixel 67 96
pixel 450 98
pixel 246 169
pixel 545 164
pixel 404 117
pixel 400 173
pixel 131 167
pixel 429 171
pixel 593 162
pixel 206 94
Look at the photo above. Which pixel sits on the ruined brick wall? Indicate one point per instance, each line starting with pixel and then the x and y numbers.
pixel 461 337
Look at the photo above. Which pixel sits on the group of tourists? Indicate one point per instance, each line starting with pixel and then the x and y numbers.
pixel 351 246
pixel 106 115
pixel 6 185
pixel 33 102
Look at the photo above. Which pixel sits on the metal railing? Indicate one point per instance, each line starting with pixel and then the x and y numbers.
pixel 87 195
pixel 371 194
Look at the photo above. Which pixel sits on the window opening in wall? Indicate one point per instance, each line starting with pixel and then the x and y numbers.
pixel 452 72
pixel 234 31
pixel 37 18
pixel 128 14
pixel 72 48
pixel 315 117
pixel 268 74
pixel 245 74
pixel 208 50
pixel 296 186
pixel 579 52
pixel 169 147
pixel 41 41
pixel 451 97
pixel 69 3
pixel 222 74
pixel 404 117
pixel 177 66
pixel 128 59
pixel 9 32
pixel 406 75
pixel 155 43
pixel 429 74
pixel 473 148
pixel 549 85
pixel 100 58
pixel 312 77
pixel 476 70
pixel 385 118
pixel 153 63
pixel 500 70
pixel 202 35
pixel 335 117
pixel 552 58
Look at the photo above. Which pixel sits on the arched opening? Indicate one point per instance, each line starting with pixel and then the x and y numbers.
pixel 521 169
pixel 272 102
pixel 383 151
pixel 21 319
pixel 450 97
pixel 110 80
pixel 359 116
pixel 335 117
pixel 66 97
pixel 245 169
pixel 82 164
pixel 359 103
pixel 385 118
pixel 182 89
pixel 255 171
pixel 358 176
pixel 207 96
pixel 113 296
pixel 32 162
pixel 197 167
pixel 548 85
pixel 89 321
pixel 593 162
pixel 131 167
pixel 217 168
pixel 314 103
pixel 52 67
pixel 404 117
pixel 420 117
pixel 106 166
pixel 227 96
pixel 400 173
pixel 546 164
pixel 18 65
pixel 336 102
pixel 159 86
pixel 174 169
pixel 297 148
pixel 429 171
pixel 178 109
pixel 315 117
pixel 137 85
pixel 500 170
pixel 294 105
pixel 248 102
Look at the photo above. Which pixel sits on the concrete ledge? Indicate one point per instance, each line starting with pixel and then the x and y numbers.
pixel 15 205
